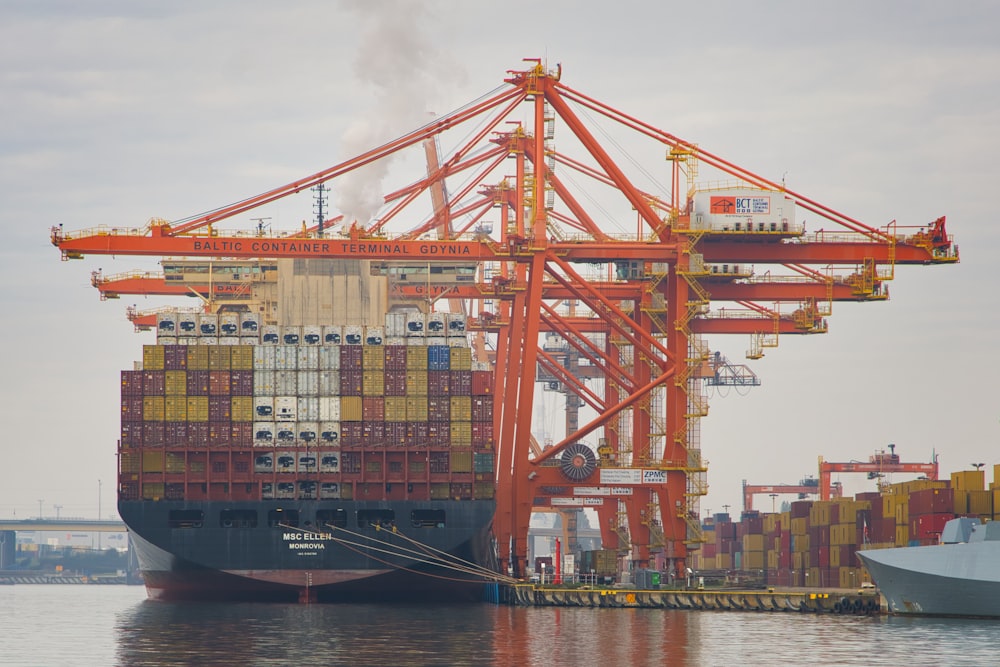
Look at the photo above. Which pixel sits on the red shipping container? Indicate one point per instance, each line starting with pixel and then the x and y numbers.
pixel 153 383
pixel 198 434
pixel 132 409
pixel 131 383
pixel 395 357
pixel 708 550
pixel 438 408
pixel 220 408
pixel 176 434
pixel 482 434
pixel 350 357
pixel 395 382
pixel 823 557
pixel 351 382
pixel 373 408
pixel 242 434
pixel 219 433
pixel 753 525
pixel 438 383
pixel 373 435
pixel 132 434
pixel 800 509
pixel 461 383
pixel 439 433
pixel 241 383
pixel 175 357
pixel 931 501
pixel 197 383
pixel 929 526
pixel 482 383
pixel 417 435
pixel 395 434
pixel 350 434
pixel 152 434
pixel 219 383
pixel 482 408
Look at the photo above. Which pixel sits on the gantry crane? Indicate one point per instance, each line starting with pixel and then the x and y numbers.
pixel 877 466
pixel 640 324
pixel 805 487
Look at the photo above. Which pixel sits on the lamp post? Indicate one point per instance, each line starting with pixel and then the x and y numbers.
pixel 773 496
pixel 57 508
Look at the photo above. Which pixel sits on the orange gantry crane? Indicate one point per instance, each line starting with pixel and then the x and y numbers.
pixel 805 487
pixel 644 264
pixel 878 466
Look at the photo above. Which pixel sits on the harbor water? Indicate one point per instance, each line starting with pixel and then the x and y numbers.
pixel 102 625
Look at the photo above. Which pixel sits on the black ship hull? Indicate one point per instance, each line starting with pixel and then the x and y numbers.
pixel 315 551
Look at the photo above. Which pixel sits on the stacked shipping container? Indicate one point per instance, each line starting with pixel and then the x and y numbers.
pixel 815 543
pixel 225 409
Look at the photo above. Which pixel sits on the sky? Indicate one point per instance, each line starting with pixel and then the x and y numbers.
pixel 115 112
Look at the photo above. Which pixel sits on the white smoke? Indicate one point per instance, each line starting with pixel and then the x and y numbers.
pixel 395 57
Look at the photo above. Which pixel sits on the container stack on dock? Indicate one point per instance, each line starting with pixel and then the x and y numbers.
pixel 222 408
pixel 815 543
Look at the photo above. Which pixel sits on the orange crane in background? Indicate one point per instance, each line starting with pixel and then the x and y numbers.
pixel 664 269
pixel 878 465
pixel 805 487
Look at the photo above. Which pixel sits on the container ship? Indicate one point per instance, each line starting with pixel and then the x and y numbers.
pixel 316 462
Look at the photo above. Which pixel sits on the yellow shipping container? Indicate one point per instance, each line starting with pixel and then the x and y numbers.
pixel 708 563
pixel 800 526
pixel 219 358
pixel 373 383
pixel 483 490
pixel 416 408
pixel 350 408
pixel 174 463
pixel 968 480
pixel 175 408
pixel 800 543
pixel 130 461
pixel 373 357
pixel 461 460
pixel 996 475
pixel 152 461
pixel 175 383
pixel 417 467
pixel 786 521
pixel 724 561
pixel 241 357
pixel 772 559
pixel 981 503
pixel 849 577
pixel 461 434
pixel 197 357
pixel 197 408
pixel 753 560
pixel 903 513
pixel 842 533
pixel 152 490
pixel 152 357
pixel 819 513
pixel 416 381
pixel 771 522
pixel 395 408
pixel 416 359
pixel 440 490
pixel 461 358
pixel 461 406
pixel 152 408
pixel 961 505
pixel 346 491
pixel 753 543
pixel 797 560
pixel 902 534
pixel 242 408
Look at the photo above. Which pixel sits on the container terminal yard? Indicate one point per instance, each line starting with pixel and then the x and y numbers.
pixel 483 279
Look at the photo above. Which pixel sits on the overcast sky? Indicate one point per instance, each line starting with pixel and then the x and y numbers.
pixel 115 111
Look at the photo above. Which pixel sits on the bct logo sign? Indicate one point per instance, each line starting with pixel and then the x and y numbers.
pixel 654 476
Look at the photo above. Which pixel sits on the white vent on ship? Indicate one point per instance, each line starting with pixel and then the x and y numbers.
pixel 578 462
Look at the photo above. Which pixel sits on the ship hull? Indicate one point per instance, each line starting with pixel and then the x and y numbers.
pixel 213 559
pixel 943 580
